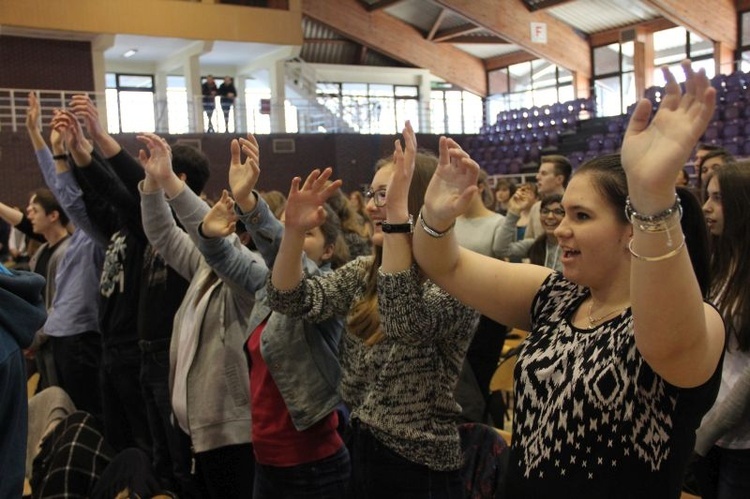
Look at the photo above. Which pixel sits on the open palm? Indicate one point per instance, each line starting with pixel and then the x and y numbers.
pixel 652 154
pixel 243 175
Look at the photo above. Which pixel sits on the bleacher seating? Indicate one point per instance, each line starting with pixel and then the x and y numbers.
pixel 520 137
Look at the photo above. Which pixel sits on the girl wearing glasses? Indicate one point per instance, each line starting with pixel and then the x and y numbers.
pixel 405 338
pixel 543 250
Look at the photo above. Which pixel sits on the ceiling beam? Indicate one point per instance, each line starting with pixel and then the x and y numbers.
pixel 715 20
pixel 536 5
pixel 382 4
pixel 613 35
pixel 505 60
pixel 437 23
pixel 449 33
pixel 488 38
pixel 510 20
pixel 384 33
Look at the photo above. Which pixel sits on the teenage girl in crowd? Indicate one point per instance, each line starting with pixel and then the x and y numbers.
pixel 623 357
pixel 405 338
pixel 724 436
pixel 543 250
pixel 209 389
pixel 294 369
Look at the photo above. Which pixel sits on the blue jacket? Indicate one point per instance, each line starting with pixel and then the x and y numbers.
pixel 302 356
pixel 21 315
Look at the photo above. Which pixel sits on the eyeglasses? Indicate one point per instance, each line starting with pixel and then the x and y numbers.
pixel 558 212
pixel 378 196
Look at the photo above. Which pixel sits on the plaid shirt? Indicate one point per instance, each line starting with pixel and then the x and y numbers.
pixel 71 459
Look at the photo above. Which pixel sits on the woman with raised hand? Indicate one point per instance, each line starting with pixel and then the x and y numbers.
pixel 623 356
pixel 405 338
pixel 293 363
pixel 209 387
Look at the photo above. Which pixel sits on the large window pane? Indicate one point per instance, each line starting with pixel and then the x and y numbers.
pixel 453 106
pixel 437 111
pixel 607 59
pixel 136 81
pixel 473 113
pixel 406 91
pixel 628 53
pixel 669 46
pixel 745 29
pixel 137 112
pixel 113 111
pixel 520 77
pixel 608 102
pixel 700 47
pixel 177 105
pixel 257 122
pixel 406 109
pixel 498 82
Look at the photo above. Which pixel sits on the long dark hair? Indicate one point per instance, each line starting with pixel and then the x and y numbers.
pixel 363 319
pixel 610 181
pixel 730 265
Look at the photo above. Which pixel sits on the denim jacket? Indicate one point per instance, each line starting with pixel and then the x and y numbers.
pixel 302 357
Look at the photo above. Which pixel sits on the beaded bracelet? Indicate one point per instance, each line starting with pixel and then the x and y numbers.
pixel 430 231
pixel 653 223
pixel 659 258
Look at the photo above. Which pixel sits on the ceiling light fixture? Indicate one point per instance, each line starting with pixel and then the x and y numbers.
pixel 130 53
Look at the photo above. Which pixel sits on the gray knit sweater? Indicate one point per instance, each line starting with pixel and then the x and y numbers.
pixel 402 387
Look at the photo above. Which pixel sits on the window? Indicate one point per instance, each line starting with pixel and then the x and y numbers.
pixel 368 107
pixel 177 105
pixel 455 111
pixel 528 84
pixel 614 78
pixel 130 103
pixel 673 45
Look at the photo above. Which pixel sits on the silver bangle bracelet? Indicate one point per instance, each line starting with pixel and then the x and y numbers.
pixel 430 231
pixel 659 258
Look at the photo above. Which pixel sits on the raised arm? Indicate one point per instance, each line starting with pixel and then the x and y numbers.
pixel 57 173
pixel 506 246
pixel 304 211
pixel 478 281
pixel 681 338
pixel 11 215
pixel 83 107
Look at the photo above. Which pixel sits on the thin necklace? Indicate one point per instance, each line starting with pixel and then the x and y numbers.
pixel 593 321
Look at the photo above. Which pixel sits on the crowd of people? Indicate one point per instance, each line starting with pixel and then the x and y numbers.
pixel 322 345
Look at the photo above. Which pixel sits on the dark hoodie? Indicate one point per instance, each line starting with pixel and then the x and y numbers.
pixel 21 315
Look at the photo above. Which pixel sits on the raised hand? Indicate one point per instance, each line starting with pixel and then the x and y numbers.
pixel 66 125
pixel 84 108
pixel 452 185
pixel 652 154
pixel 158 162
pixel 243 175
pixel 33 113
pixel 520 201
pixel 304 207
pixel 397 194
pixel 221 220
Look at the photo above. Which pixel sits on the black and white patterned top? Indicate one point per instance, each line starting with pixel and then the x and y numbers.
pixel 402 387
pixel 592 419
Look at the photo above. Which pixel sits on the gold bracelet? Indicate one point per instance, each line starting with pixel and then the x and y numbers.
pixel 659 258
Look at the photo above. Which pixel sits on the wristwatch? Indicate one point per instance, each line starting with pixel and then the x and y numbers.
pixel 405 228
